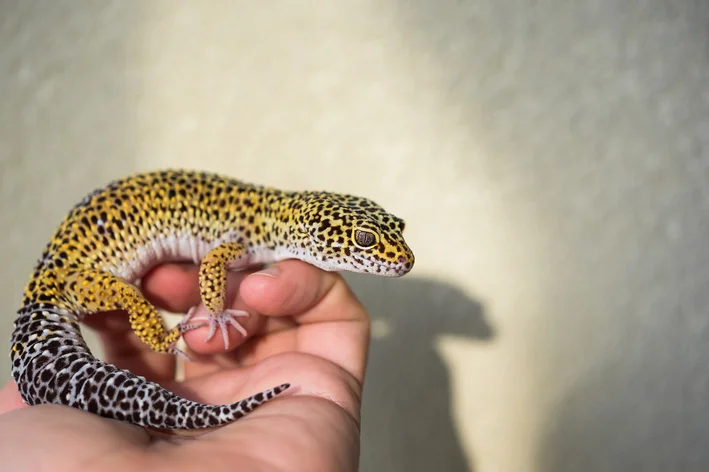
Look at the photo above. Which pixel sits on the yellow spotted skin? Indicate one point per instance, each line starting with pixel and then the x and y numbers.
pixel 119 232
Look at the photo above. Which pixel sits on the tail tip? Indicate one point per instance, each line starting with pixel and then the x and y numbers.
pixel 281 388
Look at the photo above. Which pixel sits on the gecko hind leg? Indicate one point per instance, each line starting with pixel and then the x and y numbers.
pixel 212 286
pixel 94 291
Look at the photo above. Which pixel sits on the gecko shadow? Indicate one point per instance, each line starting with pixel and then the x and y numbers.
pixel 406 418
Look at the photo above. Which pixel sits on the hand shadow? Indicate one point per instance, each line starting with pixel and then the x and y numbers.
pixel 407 420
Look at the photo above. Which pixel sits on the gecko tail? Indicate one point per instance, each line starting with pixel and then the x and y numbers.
pixel 59 368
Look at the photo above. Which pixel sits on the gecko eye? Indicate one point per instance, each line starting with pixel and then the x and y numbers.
pixel 364 238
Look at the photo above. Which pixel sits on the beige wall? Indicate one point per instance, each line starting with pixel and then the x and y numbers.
pixel 549 157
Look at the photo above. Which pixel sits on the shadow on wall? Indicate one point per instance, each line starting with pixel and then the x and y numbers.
pixel 407 420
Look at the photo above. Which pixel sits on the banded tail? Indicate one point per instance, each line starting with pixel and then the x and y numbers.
pixel 51 363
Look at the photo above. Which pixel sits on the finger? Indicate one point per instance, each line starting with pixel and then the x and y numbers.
pixel 10 398
pixel 172 287
pixel 333 324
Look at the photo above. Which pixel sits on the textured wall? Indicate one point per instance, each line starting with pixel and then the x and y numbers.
pixel 548 156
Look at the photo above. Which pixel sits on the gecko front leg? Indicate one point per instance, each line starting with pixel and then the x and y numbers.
pixel 212 288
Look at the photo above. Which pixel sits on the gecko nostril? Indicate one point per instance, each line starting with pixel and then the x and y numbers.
pixel 402 259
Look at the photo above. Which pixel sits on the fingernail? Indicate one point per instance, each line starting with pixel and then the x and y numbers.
pixel 271 271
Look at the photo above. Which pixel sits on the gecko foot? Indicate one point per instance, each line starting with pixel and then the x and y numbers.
pixel 221 320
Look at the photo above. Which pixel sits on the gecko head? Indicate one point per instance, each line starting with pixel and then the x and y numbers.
pixel 346 233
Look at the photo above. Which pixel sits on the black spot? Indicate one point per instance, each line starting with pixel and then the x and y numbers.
pixel 62 378
pixel 50 395
pixel 152 414
pixel 171 409
pixel 104 400
pixel 120 396
pixel 92 406
pixel 46 375
pixel 119 380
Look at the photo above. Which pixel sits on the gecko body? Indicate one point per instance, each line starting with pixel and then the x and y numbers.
pixel 118 233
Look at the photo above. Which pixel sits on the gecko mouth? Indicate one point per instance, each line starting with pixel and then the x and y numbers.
pixel 388 269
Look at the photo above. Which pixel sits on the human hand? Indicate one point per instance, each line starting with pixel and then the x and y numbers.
pixel 306 328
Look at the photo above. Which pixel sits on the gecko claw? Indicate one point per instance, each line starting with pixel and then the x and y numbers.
pixel 186 326
pixel 179 353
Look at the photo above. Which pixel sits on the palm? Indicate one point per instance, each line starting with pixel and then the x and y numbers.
pixel 320 349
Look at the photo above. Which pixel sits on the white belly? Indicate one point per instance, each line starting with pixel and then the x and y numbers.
pixel 181 248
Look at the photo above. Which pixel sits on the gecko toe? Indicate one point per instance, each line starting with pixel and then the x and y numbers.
pixel 179 353
pixel 223 320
